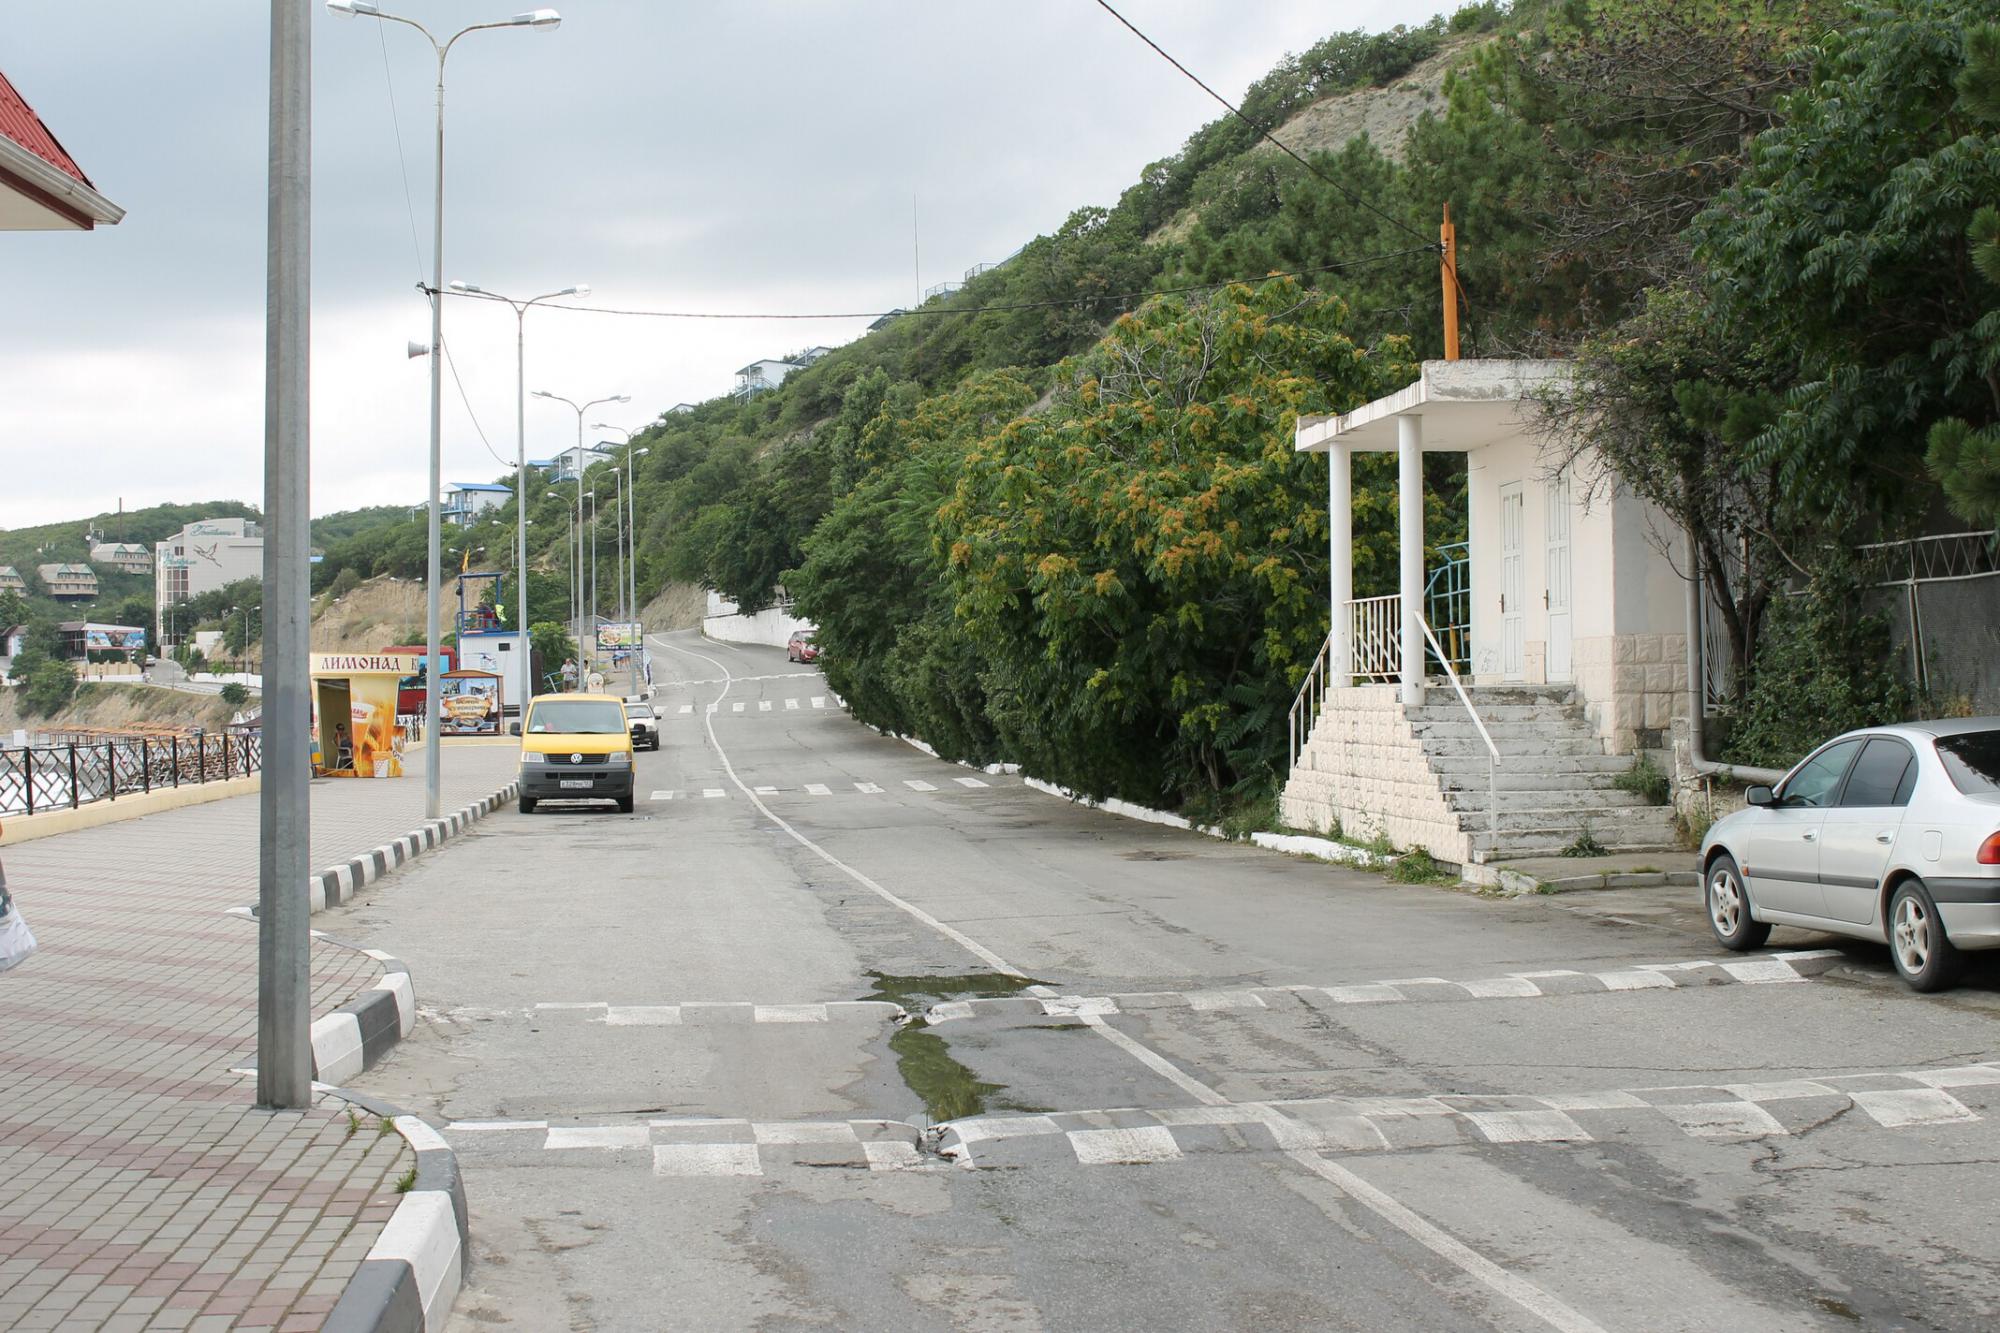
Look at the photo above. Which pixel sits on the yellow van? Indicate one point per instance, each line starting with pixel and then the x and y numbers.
pixel 576 747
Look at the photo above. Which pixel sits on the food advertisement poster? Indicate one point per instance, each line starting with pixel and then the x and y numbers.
pixel 470 701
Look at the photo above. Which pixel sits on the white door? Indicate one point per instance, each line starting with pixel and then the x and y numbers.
pixel 1513 581
pixel 1557 596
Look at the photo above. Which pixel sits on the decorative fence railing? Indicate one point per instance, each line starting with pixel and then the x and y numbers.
pixel 1375 626
pixel 62 777
pixel 1448 605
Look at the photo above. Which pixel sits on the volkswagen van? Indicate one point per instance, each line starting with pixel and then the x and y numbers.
pixel 576 747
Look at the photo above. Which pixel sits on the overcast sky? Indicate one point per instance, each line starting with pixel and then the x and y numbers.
pixel 747 155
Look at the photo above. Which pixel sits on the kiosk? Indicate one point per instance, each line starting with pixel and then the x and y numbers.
pixel 354 714
pixel 472 703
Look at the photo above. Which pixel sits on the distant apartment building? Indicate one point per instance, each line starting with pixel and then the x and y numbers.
pixel 11 580
pixel 126 557
pixel 205 556
pixel 465 501
pixel 677 409
pixel 68 583
pixel 762 376
pixel 566 465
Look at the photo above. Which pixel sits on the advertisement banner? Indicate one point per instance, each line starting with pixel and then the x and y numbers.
pixel 470 702
pixel 123 638
pixel 619 635
pixel 372 726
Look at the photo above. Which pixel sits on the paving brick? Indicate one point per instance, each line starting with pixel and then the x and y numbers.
pixel 135 1175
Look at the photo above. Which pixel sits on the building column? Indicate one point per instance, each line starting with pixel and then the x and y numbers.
pixel 1410 540
pixel 1340 535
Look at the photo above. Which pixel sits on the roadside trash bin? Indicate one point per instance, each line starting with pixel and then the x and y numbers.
pixel 15 941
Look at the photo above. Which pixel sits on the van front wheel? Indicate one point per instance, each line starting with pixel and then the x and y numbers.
pixel 527 805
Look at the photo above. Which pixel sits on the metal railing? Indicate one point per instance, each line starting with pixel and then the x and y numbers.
pixel 1479 725
pixel 1306 704
pixel 63 777
pixel 1375 628
pixel 1448 603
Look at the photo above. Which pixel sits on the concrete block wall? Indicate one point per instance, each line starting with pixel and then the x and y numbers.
pixel 1633 686
pixel 1365 770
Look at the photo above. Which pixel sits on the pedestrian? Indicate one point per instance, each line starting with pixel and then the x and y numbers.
pixel 343 748
pixel 16 943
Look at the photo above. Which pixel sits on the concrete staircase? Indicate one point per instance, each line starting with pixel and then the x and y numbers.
pixel 1553 781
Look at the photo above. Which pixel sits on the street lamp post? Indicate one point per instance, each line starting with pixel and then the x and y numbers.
pixel 580 409
pixel 520 309
pixel 630 593
pixel 546 20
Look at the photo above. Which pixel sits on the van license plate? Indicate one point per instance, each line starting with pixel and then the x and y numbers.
pixel 575 784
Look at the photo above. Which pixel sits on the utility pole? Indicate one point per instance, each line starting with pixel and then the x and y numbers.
pixel 1448 253
pixel 284 851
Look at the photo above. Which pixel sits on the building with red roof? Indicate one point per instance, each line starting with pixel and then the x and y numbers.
pixel 41 186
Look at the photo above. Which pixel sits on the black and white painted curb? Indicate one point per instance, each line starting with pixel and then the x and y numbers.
pixel 359 1033
pixel 412 1274
pixel 337 884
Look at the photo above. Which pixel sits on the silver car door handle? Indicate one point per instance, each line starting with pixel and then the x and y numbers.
pixel 1885 837
pixel 1810 836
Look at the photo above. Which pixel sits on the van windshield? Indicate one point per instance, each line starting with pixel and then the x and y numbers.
pixel 577 717
pixel 1972 760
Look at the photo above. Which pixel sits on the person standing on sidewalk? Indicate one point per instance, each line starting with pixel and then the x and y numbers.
pixel 16 943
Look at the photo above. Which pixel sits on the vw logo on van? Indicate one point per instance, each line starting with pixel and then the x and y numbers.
pixel 576 759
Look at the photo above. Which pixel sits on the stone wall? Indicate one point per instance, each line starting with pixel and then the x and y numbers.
pixel 1365 771
pixel 1633 686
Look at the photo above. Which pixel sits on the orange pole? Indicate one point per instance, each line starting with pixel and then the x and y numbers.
pixel 1448 246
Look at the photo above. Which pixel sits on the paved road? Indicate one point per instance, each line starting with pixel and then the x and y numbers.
pixel 1164 1082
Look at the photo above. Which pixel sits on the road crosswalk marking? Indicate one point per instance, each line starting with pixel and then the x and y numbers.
pixel 763 705
pixel 686 709
pixel 968 782
pixel 867 789
pixel 819 701
pixel 765 791
pixel 916 784
pixel 791 703
pixel 1109 1004
pixel 712 793
pixel 818 789
pixel 736 708
pixel 663 796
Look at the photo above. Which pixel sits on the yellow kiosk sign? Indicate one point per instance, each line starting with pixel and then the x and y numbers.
pixel 354 712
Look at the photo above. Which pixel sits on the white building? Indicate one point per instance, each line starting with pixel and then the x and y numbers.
pixel 571 462
pixel 204 556
pixel 465 501
pixel 762 377
pixel 127 557
pixel 1571 630
pixel 67 582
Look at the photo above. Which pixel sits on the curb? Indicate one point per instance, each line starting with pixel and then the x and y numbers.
pixel 337 884
pixel 1514 884
pixel 359 1033
pixel 412 1274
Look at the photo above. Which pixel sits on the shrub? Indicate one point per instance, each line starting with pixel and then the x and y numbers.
pixel 1644 779
pixel 50 685
pixel 345 582
pixel 1820 670
pixel 235 693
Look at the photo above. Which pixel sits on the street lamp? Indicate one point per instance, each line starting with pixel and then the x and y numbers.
pixel 569 554
pixel 520 309
pixel 580 409
pixel 632 567
pixel 546 20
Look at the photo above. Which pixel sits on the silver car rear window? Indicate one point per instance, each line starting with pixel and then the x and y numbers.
pixel 1972 760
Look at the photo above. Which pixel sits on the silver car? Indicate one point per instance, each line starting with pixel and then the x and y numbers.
pixel 1889 834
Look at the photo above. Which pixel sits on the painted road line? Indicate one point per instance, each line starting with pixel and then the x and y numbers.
pixel 915 784
pixel 765 791
pixel 867 789
pixel 763 705
pixel 611 1137
pixel 663 796
pixel 818 789
pixel 969 782
pixel 685 709
pixel 819 701
pixel 791 705
pixel 736 708
pixel 706 1159
pixel 712 793
pixel 1799 965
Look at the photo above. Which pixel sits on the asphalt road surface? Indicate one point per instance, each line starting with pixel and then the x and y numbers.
pixel 831 1035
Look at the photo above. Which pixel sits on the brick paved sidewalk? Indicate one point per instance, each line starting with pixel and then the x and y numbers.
pixel 138 1186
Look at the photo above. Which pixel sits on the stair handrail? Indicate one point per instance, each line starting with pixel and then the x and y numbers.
pixel 1492 750
pixel 1311 690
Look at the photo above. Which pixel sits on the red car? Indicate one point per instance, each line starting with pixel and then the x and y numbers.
pixel 801 648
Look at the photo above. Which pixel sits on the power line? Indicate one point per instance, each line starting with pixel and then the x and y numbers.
pixel 1263 133
pixel 998 306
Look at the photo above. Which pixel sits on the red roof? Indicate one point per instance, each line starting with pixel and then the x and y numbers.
pixel 19 122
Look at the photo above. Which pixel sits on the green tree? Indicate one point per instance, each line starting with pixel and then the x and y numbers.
pixel 48 687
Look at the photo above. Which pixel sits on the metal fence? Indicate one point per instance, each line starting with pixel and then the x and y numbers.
pixel 62 777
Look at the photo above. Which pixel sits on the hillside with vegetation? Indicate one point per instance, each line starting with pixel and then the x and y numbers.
pixel 1055 517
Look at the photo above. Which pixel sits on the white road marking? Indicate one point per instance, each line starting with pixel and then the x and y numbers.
pixel 1148 1143
pixel 791 704
pixel 1527 1127
pixel 495 1126
pixel 642 1015
pixel 763 705
pixel 916 785
pixel 706 1159
pixel 819 701
pixel 712 793
pixel 892 1155
pixel 1895 1108
pixel 804 1131
pixel 867 789
pixel 818 789
pixel 1519 1290
pixel 969 782
pixel 736 708
pixel 663 796
pixel 789 1013
pixel 1725 1120
pixel 597 1136
pixel 685 709
pixel 766 791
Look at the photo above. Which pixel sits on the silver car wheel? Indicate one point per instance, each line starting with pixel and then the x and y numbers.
pixel 1725 901
pixel 1912 934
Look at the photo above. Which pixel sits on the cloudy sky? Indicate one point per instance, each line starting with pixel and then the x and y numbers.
pixel 727 155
